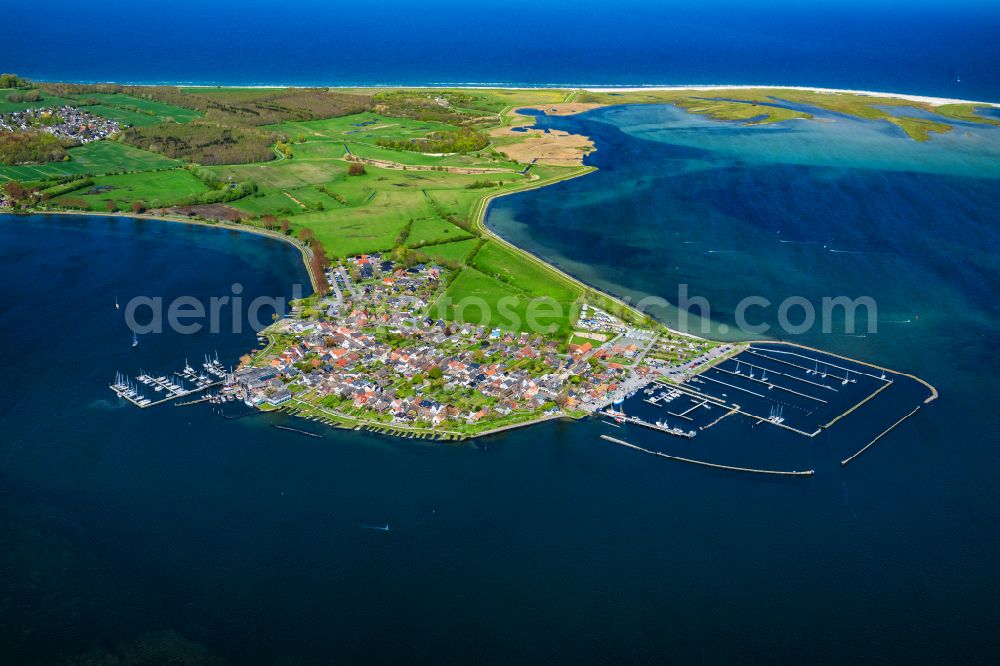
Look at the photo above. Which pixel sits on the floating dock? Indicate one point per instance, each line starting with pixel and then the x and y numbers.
pixel 676 432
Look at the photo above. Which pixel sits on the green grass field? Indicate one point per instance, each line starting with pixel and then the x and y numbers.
pixel 457 251
pixel 154 112
pixel 480 299
pixel 349 215
pixel 352 128
pixel 512 268
pixel 123 116
pixel 361 232
pixel 46 100
pixel 326 139
pixel 434 230
pixel 97 158
pixel 154 188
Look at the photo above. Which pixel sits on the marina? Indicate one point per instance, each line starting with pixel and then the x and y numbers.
pixel 146 390
pixel 803 392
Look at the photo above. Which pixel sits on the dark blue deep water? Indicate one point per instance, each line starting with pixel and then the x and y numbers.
pixel 909 46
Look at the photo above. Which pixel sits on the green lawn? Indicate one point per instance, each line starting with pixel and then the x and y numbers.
pixel 97 158
pixel 152 187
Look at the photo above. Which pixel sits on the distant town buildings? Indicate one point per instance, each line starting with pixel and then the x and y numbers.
pixel 67 122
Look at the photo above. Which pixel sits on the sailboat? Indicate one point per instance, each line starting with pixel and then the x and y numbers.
pixel 117 307
pixel 135 339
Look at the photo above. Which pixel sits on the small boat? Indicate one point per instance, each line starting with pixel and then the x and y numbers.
pixel 117 306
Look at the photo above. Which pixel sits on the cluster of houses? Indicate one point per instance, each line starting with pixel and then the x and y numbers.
pixel 66 122
pixel 379 356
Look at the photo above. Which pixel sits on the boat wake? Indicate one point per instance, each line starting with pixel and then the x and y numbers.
pixel 378 528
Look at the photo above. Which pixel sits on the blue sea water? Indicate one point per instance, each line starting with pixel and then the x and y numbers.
pixel 172 533
pixel 913 46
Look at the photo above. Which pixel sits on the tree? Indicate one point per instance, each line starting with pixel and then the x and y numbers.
pixel 15 190
pixel 435 373
pixel 356 169
pixel 111 206
pixel 138 206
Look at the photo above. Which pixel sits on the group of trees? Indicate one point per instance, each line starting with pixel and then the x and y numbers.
pixel 237 107
pixel 227 134
pixel 426 107
pixel 66 187
pixel 203 142
pixel 336 196
pixel 30 148
pixel 462 140
pixel 13 81
pixel 17 191
pixel 480 184
pixel 26 96
pixel 318 261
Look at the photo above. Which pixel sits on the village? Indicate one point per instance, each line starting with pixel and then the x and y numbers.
pixel 67 122
pixel 372 352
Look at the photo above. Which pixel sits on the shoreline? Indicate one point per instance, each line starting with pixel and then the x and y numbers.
pixel 304 252
pixel 598 88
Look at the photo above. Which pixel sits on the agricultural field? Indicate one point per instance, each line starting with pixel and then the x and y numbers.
pixel 153 188
pixel 511 268
pixel 152 111
pixel 384 209
pixel 97 158
pixel 457 251
pixel 357 231
pixel 46 100
pixel 433 230
pixel 359 133
pixel 506 306
pixel 424 193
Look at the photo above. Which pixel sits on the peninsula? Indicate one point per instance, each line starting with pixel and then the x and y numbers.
pixel 423 322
